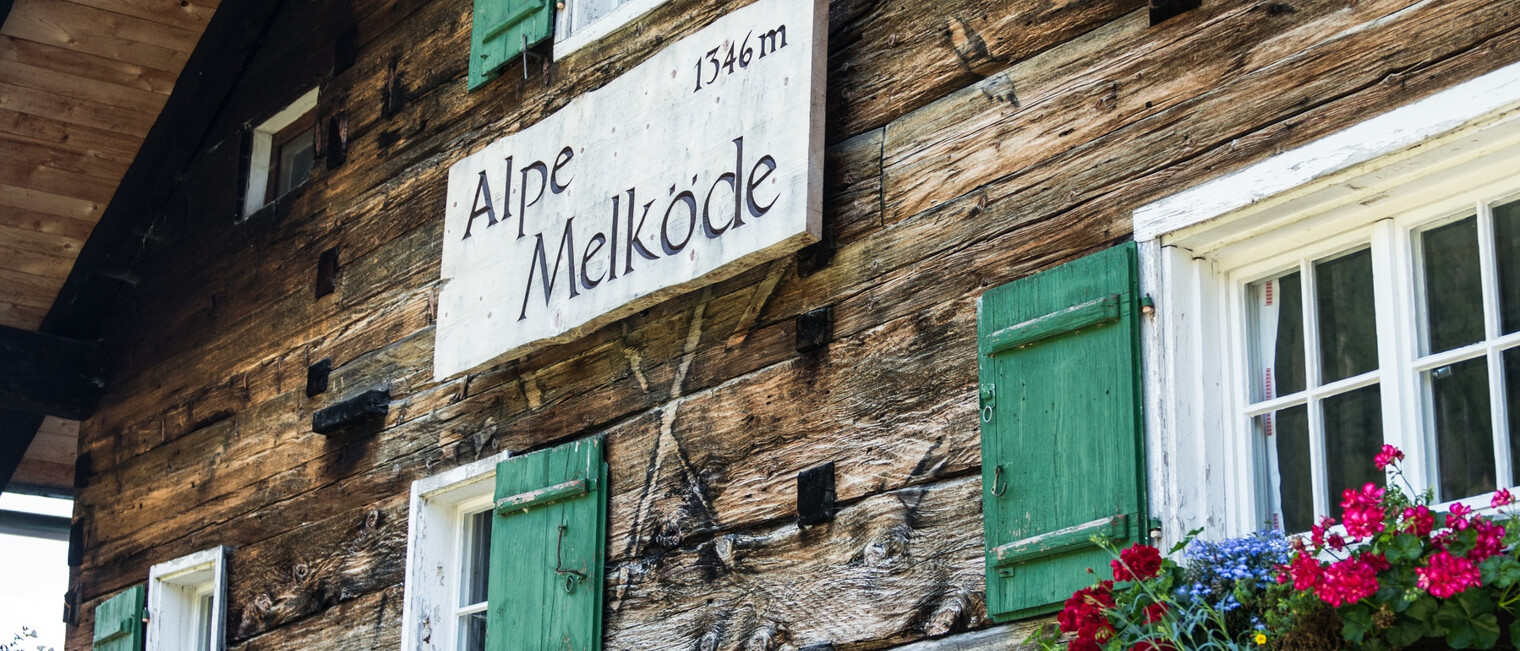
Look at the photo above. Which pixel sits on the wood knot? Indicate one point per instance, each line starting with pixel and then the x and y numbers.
pixel 300 571
pixel 709 641
pixel 952 614
pixel 372 519
pixel 766 638
pixel 263 604
pixel 724 548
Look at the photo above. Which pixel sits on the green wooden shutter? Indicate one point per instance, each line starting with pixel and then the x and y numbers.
pixel 119 620
pixel 1062 449
pixel 502 29
pixel 548 543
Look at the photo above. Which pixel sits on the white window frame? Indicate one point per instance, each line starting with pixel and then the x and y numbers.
pixel 175 589
pixel 569 37
pixel 434 551
pixel 261 158
pixel 1377 181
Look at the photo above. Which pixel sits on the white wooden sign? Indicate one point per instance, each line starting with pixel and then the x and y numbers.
pixel 703 161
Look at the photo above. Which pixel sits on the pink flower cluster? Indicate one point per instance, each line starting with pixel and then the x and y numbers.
pixel 1389 456
pixel 1447 575
pixel 1363 511
pixel 1365 516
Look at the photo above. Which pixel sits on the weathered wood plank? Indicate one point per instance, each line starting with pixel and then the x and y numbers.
pixel 34 140
pixel 89 66
pixel 27 289
pixel 900 55
pixel 105 34
pixel 71 86
pixel 1009 637
pixel 1319 52
pixel 185 14
pixel 23 239
pixel 368 623
pixel 50 179
pixel 894 567
pixel 316 567
pixel 128 123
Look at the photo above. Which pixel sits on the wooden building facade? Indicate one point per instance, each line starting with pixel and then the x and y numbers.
pixel 794 452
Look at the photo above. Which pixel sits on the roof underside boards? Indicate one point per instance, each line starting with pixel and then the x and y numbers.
pixel 81 82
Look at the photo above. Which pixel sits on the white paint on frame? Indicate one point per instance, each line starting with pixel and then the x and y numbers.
pixel 432 551
pixel 583 22
pixel 703 161
pixel 261 158
pixel 187 602
pixel 1372 184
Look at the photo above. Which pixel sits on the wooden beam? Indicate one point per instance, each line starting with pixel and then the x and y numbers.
pixel 16 431
pixel 49 375
pixel 230 40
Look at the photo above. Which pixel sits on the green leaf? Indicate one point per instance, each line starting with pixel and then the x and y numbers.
pixel 1356 622
pixel 1509 571
pixel 1405 547
pixel 1423 610
pixel 1455 621
pixel 1405 632
pixel 1487 627
pixel 1182 544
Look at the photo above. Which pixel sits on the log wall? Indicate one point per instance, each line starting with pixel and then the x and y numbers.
pixel 970 143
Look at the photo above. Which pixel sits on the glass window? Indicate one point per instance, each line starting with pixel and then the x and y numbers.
pixel 1468 288
pixel 1316 406
pixel 475 537
pixel 1318 390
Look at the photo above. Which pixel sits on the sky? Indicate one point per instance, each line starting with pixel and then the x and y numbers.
pixel 34 574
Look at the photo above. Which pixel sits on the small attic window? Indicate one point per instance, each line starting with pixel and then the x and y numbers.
pixel 284 152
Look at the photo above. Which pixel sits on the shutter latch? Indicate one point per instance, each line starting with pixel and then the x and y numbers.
pixel 989 401
pixel 572 577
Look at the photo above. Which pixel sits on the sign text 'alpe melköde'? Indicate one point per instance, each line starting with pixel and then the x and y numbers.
pixel 698 163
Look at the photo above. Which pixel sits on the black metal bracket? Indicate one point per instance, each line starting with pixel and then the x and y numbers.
pixel 336 153
pixel 327 272
pixel 1161 10
pixel 815 495
pixel 316 377
pixel 360 412
pixel 814 329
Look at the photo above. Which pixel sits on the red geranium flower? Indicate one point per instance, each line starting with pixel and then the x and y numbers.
pixel 1347 582
pixel 1418 520
pixel 1447 575
pixel 1138 563
pixel 1502 498
pixel 1387 457
pixel 1364 511
pixel 1154 613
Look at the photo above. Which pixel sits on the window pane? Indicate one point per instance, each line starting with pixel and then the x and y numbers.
pixel 1286 433
pixel 1507 251
pixel 477 559
pixel 1464 430
pixel 203 631
pixel 472 632
pixel 296 158
pixel 1278 349
pixel 1453 286
pixel 1512 401
pixel 1353 436
pixel 1347 321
